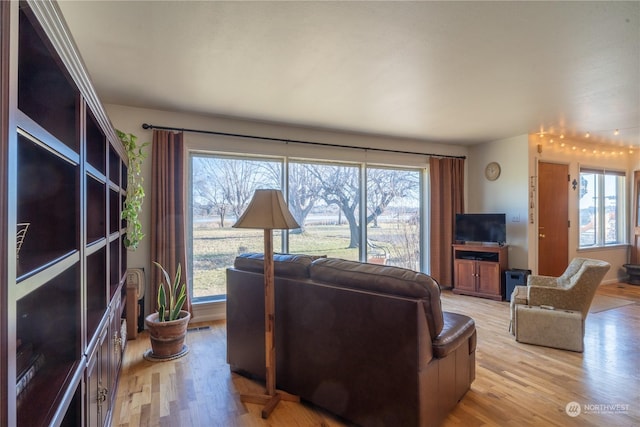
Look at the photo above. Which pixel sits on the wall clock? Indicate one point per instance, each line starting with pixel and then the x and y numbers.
pixel 492 171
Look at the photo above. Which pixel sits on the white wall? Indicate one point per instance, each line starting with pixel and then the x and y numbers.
pixel 507 194
pixel 130 120
pixel 563 151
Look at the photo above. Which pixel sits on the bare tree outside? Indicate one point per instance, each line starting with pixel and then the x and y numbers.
pixel 208 197
pixel 386 185
pixel 393 210
pixel 304 192
pixel 222 187
pixel 226 185
pixel 404 244
pixel 340 186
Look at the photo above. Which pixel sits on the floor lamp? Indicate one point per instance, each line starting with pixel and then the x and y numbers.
pixel 268 211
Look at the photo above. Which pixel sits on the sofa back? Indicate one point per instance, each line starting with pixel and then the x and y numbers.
pixel 386 280
pixel 382 279
pixel 286 265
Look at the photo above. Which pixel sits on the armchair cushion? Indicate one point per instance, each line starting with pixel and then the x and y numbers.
pixel 574 294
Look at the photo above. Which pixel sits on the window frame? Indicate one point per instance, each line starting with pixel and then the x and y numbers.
pixel 600 212
pixel 285 161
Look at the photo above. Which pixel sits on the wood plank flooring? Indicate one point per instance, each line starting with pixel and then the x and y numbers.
pixel 516 384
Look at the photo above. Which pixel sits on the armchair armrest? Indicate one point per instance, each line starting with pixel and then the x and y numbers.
pixel 545 281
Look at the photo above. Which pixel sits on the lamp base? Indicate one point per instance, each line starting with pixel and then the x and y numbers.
pixel 269 402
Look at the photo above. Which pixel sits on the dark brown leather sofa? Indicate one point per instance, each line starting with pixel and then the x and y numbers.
pixel 369 343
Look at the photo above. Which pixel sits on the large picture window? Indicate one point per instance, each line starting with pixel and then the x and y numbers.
pixel 221 188
pixel 346 210
pixel 602 208
pixel 393 217
pixel 325 200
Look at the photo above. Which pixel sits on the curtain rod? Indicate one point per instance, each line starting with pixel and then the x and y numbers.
pixel 296 141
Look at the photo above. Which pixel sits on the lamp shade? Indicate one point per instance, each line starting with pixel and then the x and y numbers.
pixel 267 211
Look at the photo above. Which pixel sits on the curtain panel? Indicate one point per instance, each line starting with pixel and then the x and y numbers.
pixel 447 199
pixel 168 207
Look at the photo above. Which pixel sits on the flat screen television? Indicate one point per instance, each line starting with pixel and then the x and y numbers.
pixel 481 228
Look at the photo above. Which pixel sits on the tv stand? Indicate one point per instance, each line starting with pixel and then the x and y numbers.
pixel 478 270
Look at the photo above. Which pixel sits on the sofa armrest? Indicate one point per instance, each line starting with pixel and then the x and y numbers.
pixel 457 330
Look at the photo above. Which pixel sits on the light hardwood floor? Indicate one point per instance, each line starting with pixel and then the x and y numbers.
pixel 516 384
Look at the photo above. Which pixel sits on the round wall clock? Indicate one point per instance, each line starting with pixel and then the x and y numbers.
pixel 492 171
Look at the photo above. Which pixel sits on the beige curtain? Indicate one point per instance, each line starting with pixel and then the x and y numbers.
pixel 168 205
pixel 447 199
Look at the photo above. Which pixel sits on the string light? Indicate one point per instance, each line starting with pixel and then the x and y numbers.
pixel 587 134
pixel 603 145
pixel 599 151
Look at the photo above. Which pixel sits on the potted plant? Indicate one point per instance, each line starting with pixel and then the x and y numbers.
pixel 168 325
pixel 135 190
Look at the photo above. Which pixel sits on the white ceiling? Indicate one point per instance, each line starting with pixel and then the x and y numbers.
pixel 458 72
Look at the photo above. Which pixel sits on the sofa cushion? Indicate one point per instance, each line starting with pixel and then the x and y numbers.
pixel 457 328
pixel 384 279
pixel 289 265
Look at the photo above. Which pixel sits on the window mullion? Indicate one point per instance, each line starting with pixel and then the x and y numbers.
pixel 363 213
pixel 284 173
pixel 602 228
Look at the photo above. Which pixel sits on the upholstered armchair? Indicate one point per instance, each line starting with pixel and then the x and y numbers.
pixel 551 311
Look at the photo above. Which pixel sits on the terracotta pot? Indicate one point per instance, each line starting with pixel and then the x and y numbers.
pixel 167 338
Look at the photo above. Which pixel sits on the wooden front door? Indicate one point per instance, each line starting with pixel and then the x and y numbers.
pixel 553 218
pixel 635 248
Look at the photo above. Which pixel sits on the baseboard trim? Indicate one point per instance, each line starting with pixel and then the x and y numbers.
pixel 209 311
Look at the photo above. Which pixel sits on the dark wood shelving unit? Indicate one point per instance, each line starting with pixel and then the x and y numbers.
pixel 63 307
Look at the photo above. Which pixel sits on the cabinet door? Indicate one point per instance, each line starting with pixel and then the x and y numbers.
pixel 489 278
pixel 115 351
pixel 95 383
pixel 465 274
pixel 104 387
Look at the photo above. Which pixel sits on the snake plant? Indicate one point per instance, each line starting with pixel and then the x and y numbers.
pixel 175 292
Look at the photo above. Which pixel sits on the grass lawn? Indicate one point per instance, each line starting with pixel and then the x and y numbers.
pixel 215 248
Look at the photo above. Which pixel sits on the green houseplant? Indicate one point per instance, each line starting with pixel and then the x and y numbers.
pixel 168 325
pixel 135 190
pixel 176 292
